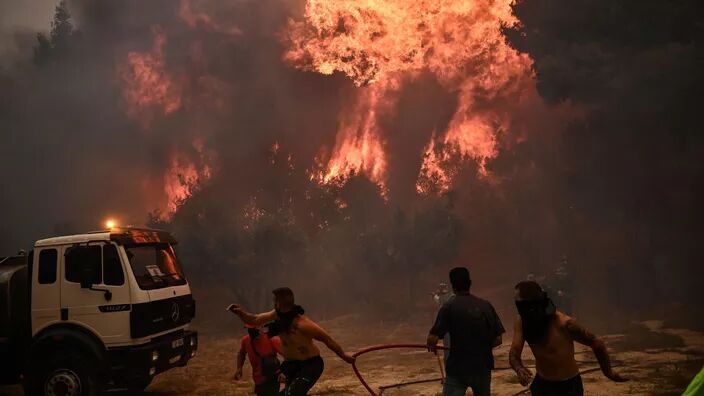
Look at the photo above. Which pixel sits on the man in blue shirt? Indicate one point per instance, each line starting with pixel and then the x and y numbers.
pixel 475 330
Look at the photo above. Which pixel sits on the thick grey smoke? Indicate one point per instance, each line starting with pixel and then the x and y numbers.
pixel 631 170
pixel 21 17
pixel 615 191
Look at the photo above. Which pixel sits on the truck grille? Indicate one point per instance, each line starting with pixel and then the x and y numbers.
pixel 157 316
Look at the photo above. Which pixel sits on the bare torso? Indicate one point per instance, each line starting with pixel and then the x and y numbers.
pixel 295 344
pixel 555 358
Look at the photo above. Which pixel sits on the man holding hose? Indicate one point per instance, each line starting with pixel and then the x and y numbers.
pixel 475 329
pixel 302 364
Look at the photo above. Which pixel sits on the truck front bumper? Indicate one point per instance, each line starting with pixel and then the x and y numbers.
pixel 161 354
pixel 169 351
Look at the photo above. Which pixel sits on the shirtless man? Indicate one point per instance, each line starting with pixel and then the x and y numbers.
pixel 302 364
pixel 551 335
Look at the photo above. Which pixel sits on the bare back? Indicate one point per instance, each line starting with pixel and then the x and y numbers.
pixel 297 342
pixel 554 359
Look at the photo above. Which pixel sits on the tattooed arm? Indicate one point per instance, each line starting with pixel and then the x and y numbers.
pixel 514 355
pixel 585 337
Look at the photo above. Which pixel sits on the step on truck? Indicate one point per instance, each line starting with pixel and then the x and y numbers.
pixel 86 313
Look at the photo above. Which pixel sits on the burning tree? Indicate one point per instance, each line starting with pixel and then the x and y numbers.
pixel 361 141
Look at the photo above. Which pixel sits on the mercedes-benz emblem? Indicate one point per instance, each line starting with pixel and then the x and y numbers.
pixel 175 312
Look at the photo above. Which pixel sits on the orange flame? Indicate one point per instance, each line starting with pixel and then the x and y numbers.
pixel 151 92
pixel 147 88
pixel 185 176
pixel 358 147
pixel 379 43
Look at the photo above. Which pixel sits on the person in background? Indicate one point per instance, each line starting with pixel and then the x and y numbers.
pixel 262 353
pixel 551 335
pixel 475 329
pixel 560 287
pixel 441 296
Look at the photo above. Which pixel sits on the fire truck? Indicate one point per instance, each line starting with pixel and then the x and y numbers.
pixel 85 313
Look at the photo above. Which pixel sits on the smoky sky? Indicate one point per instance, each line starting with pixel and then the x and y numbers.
pixel 22 16
pixel 86 160
pixel 634 163
pixel 617 188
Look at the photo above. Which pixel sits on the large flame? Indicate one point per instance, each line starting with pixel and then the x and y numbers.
pixel 380 43
pixel 358 147
pixel 148 89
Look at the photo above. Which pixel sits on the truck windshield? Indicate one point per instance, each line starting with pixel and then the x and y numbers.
pixel 155 265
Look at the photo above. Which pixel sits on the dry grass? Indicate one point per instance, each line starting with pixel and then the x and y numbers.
pixel 663 365
pixel 660 361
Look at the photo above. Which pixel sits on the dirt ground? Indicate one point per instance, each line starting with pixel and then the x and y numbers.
pixel 660 361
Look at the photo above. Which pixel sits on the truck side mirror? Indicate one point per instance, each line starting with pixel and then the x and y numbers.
pixel 87 277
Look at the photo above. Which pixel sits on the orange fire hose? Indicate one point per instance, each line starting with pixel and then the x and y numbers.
pixel 382 347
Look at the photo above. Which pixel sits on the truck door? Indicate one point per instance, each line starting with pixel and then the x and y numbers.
pixel 105 306
pixel 46 290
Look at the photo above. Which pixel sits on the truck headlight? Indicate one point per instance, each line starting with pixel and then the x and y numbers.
pixel 193 342
pixel 155 356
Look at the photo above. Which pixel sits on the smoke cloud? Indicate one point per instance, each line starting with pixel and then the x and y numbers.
pixel 351 153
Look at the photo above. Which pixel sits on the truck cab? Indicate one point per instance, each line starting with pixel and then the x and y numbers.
pixel 93 311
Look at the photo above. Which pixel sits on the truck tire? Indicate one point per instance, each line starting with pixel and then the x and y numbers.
pixel 64 374
pixel 138 385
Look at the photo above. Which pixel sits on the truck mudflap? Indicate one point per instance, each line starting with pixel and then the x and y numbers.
pixel 147 360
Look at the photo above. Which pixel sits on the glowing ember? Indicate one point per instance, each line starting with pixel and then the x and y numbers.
pixel 251 214
pixel 148 90
pixel 378 43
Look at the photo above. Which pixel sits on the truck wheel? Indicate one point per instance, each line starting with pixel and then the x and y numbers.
pixel 138 385
pixel 67 375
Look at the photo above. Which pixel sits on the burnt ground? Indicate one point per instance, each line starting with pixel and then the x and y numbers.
pixel 660 360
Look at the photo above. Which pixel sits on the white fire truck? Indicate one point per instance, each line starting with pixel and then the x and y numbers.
pixel 80 314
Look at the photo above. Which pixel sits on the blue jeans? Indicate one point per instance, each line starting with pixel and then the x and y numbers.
pixel 480 382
